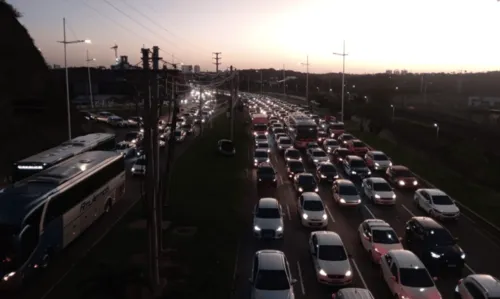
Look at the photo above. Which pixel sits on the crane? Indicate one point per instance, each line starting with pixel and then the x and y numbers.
pixel 115 48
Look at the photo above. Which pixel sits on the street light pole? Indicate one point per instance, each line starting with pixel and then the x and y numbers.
pixel 343 54
pixel 284 81
pixel 437 130
pixel 88 60
pixel 393 111
pixel 261 83
pixel 65 43
pixel 307 80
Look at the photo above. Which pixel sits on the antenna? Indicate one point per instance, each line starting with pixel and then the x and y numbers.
pixel 115 48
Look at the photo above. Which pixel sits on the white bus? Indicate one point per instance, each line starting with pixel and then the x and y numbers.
pixel 302 129
pixel 43 214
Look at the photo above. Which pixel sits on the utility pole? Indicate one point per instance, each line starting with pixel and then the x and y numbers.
pixel 88 60
pixel 307 82
pixel 248 83
pixel 200 107
pixel 217 58
pixel 235 102
pixel 261 83
pixel 284 81
pixel 343 54
pixel 231 101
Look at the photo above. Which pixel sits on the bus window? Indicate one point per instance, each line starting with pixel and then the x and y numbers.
pixel 108 145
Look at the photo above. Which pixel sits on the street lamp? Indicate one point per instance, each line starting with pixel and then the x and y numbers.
pixel 88 60
pixel 65 43
pixel 437 130
pixel 261 82
pixel 307 80
pixel 393 111
pixel 343 54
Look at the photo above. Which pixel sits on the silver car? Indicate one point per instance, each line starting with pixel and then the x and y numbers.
pixel 329 145
pixel 271 277
pixel 378 191
pixel 261 155
pixel 317 156
pixel 345 193
pixel 284 143
pixel 268 219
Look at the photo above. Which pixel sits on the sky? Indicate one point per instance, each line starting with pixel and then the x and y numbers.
pixel 418 35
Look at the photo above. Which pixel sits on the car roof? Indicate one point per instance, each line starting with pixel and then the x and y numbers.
pixel 427 222
pixel 355 293
pixel 377 152
pixel 316 149
pixel 433 191
pixel 377 223
pixel 356 140
pixel 268 202
pixel 399 167
pixel 264 150
pixel 311 196
pixel 344 182
pixel 271 259
pixel 405 258
pixel 489 283
pixel 304 174
pixel 328 238
pixel 325 163
pixel 331 139
pixel 265 165
pixel 292 149
pixel 377 180
pixel 294 161
pixel 352 157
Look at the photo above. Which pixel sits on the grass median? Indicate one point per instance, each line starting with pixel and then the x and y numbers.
pixel 478 198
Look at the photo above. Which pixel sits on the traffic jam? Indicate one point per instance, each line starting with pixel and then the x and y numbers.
pixel 332 171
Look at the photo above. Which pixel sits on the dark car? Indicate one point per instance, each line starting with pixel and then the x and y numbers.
pixel 339 154
pixel 434 245
pixel 305 182
pixel 355 167
pixel 326 172
pixel 292 154
pixel 266 175
pixel 293 167
pixel 188 128
pixel 322 135
pixel 226 147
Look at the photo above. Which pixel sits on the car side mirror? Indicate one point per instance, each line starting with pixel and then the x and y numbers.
pixel 435 278
pixel 294 281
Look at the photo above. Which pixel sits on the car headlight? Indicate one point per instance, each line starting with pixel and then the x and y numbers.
pixel 353 172
pixel 305 216
pixel 268 160
pixel 377 196
pixel 9 276
pixel 369 172
pixel 394 196
pixel 415 183
pixel 316 189
pixel 300 189
pixel 376 164
pixel 316 160
pixel 462 256
pixel 279 229
pixel 401 183
pixel 390 163
pixel 348 273
pixel 255 160
pixel 325 217
pixel 323 176
pixel 133 169
pixel 342 200
pixel 256 228
pixel 435 255
pixel 322 272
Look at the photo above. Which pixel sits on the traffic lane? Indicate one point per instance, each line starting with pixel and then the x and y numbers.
pixel 43 284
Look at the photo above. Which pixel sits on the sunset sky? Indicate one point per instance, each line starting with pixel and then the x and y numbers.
pixel 418 35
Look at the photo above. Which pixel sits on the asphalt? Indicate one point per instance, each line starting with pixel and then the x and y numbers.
pixel 478 245
pixel 41 286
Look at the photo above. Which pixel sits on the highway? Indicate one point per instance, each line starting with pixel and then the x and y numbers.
pixel 478 245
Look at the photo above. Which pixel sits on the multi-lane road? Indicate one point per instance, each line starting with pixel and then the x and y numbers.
pixel 479 246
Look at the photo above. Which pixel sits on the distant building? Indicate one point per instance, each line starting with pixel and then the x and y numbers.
pixel 389 72
pixel 197 69
pixel 187 68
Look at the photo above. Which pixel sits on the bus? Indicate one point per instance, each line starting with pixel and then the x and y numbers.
pixel 46 159
pixel 302 129
pixel 42 215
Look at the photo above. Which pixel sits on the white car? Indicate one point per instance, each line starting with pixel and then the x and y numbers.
pixel 354 293
pixel 311 210
pixel 260 137
pixel 407 277
pixel 260 155
pixel 284 143
pixel 344 193
pixel 330 258
pixel 263 145
pixel 377 238
pixel 271 276
pixel 139 167
pixel 478 286
pixel 378 191
pixel 436 203
pixel 377 160
pixel 329 145
pixel 317 156
pixel 268 219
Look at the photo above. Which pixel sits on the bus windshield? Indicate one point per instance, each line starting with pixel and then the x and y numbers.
pixel 307 132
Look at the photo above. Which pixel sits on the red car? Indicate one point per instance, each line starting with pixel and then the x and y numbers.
pixel 402 177
pixel 357 147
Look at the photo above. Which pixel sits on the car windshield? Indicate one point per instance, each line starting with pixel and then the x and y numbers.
pixel 382 187
pixel 272 280
pixel 261 154
pixel 313 205
pixel 439 237
pixel 279 131
pixel 177 133
pixel 319 154
pixel 263 145
pixel 386 236
pixel 403 173
pixel 260 127
pixel 444 200
pixel 293 154
pixel 140 162
pixel 342 152
pixel 332 143
pixel 332 253
pixel 347 137
pixel 131 136
pixel 227 145
pixel 296 166
pixel 328 169
pixel 348 190
pixel 358 144
pixel 380 157
pixel 415 278
pixel 261 137
pixel 285 141
pixel 265 170
pixel 312 145
pixel 358 164
pixel 306 180
pixel 268 213
pixel 322 134
pixel 336 127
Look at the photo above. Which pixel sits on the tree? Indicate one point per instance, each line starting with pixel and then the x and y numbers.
pixel 8 8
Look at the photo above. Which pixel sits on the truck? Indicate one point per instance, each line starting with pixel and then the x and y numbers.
pixel 259 124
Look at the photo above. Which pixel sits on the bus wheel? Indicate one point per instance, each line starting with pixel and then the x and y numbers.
pixel 107 208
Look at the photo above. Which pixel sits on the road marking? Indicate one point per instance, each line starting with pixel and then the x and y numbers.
pixel 359 273
pixel 370 212
pixel 236 263
pixel 470 269
pixel 288 212
pixel 280 179
pixel 329 213
pixel 301 281
pixel 408 210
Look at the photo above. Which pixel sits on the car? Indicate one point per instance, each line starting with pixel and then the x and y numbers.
pixel 344 193
pixel 326 172
pixel 139 167
pixel 292 154
pixel 355 167
pixel 377 238
pixel 226 147
pixel 271 276
pixel 317 155
pixel 330 258
pixel 311 145
pixel 474 286
pixel 433 244
pixel 284 143
pixel 406 276
pixel 127 149
pixel 377 160
pixel 135 121
pixel 293 167
pixel 344 138
pixel 263 145
pixel 180 135
pixel 305 182
pixel 276 125
pixel 378 191
pixel 357 147
pixel 279 135
pixel 311 210
pixel 329 145
pixel 188 128
pixel 260 138
pixel 353 293
pixel 401 177
pixel 436 203
pixel 336 129
pixel 279 130
pixel 322 135
pixel 339 154
pixel 116 121
pixel 266 175
pixel 261 155
pixel 268 219
pixel 103 116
